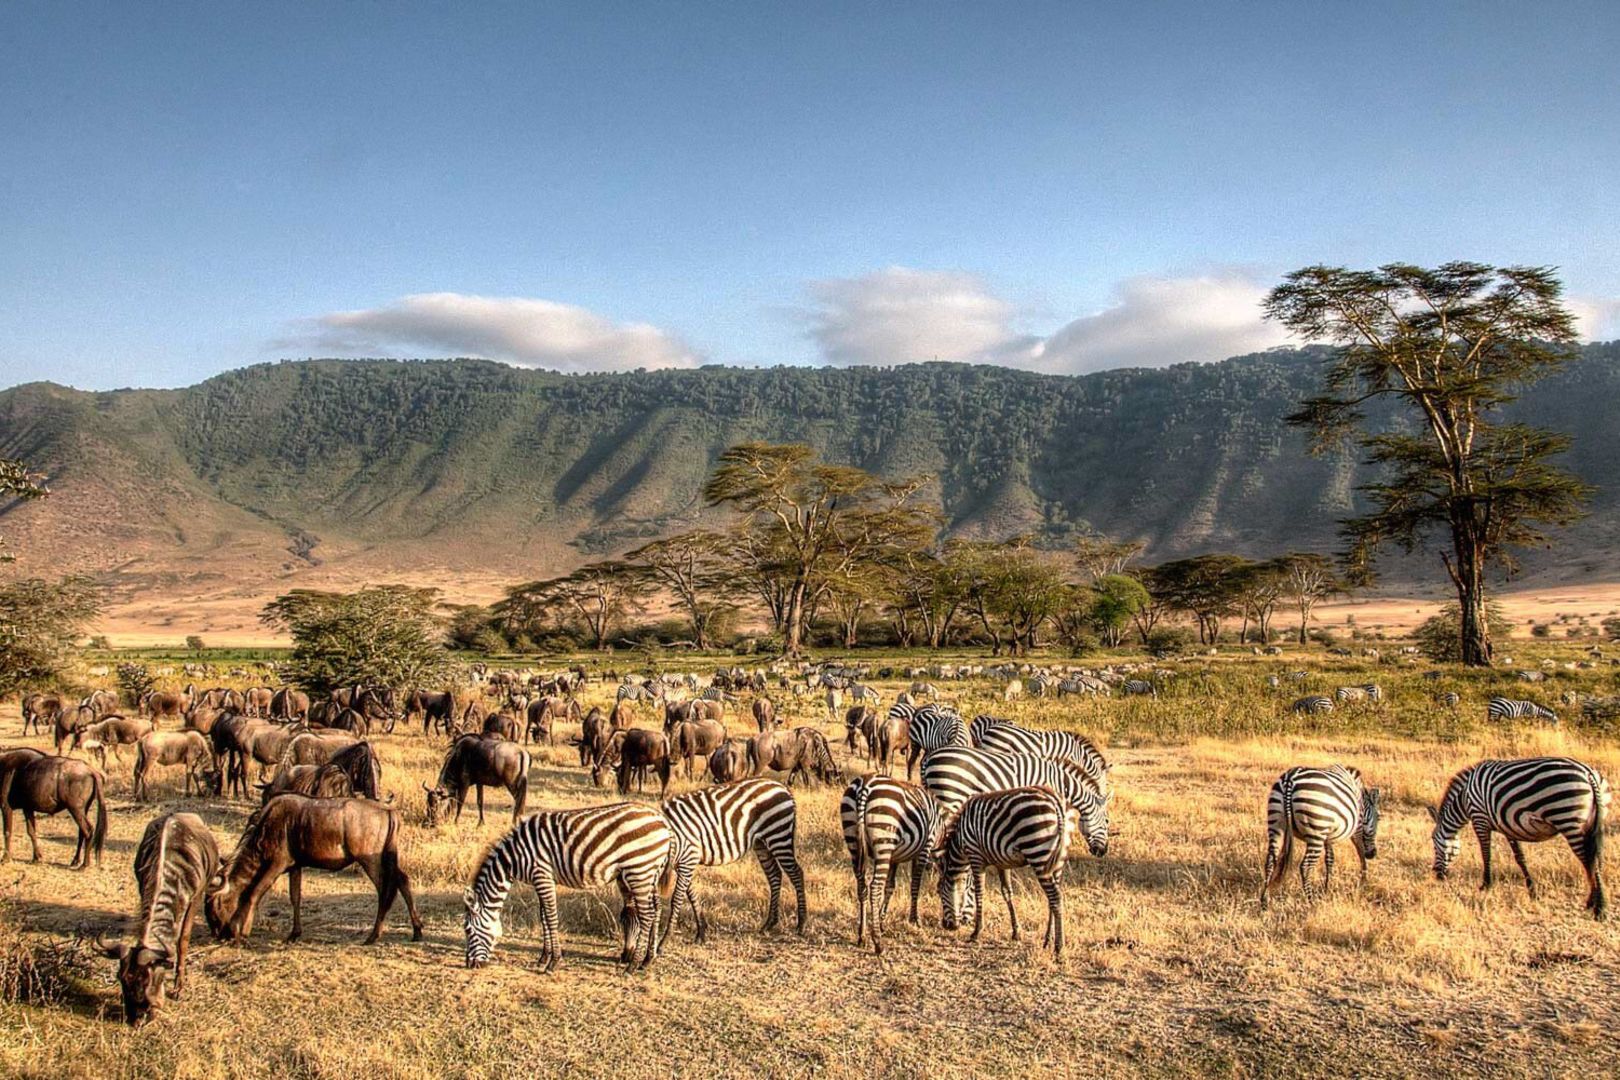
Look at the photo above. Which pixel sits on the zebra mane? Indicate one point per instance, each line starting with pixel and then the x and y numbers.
pixel 1454 787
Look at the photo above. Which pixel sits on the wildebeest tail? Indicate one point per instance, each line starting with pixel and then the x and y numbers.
pixel 98 839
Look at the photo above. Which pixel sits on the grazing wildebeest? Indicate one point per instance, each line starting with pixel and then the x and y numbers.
pixel 67 723
pixel 291 832
pixel 168 704
pixel 289 704
pixel 765 714
pixel 697 739
pixel 502 725
pixel 115 731
pixel 335 717
pixel 436 708
pixel 860 726
pixel 544 713
pixel 315 747
pixel 729 761
pixel 630 754
pixel 353 770
pixel 707 709
pixel 474 761
pixel 258 700
pixel 40 709
pixel 593 736
pixel 189 748
pixel 623 716
pixel 101 702
pixel 49 785
pixel 800 752
pixel 176 860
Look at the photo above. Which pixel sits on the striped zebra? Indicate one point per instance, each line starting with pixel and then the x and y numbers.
pixel 1501 708
pixel 930 728
pixel 1310 706
pixel 955 774
pixel 1317 806
pixel 1139 687
pixel 721 824
pixel 627 843
pixel 886 823
pixel 1026 826
pixel 1006 737
pixel 1528 800
pixel 1346 695
pixel 1451 699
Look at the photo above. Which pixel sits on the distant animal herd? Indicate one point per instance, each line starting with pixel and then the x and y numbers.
pixel 992 795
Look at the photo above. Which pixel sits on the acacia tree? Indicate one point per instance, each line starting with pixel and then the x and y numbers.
pixel 1100 557
pixel 386 635
pixel 1116 599
pixel 692 567
pixel 17 483
pixel 1450 346
pixel 1259 587
pixel 39 623
pixel 600 594
pixel 1204 586
pixel 1310 578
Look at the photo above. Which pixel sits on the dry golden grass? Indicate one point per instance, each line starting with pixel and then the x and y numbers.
pixel 1172 967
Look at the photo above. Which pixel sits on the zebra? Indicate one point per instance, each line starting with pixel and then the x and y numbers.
pixel 1025 826
pixel 865 695
pixel 886 822
pixel 955 774
pixel 1139 687
pixel 1006 737
pixel 1451 699
pixel 1346 695
pixel 930 728
pixel 719 825
pixel 1527 800
pixel 1501 708
pixel 1310 706
pixel 1317 806
pixel 627 843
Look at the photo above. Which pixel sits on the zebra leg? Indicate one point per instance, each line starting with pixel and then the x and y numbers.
pixel 1006 894
pixel 919 866
pixel 773 879
pixel 1524 867
pixel 978 901
pixel 882 887
pixel 647 919
pixel 862 893
pixel 1275 866
pixel 1054 916
pixel 1327 865
pixel 1483 833
pixel 1313 852
pixel 1589 851
pixel 545 889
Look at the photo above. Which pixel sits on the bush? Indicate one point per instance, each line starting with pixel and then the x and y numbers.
pixel 1540 630
pixel 1440 637
pixel 135 681
pixel 39 622
pixel 385 635
pixel 1611 628
pixel 1170 639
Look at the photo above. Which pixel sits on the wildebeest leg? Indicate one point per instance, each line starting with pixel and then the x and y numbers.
pixel 480 803
pixel 1524 867
pixel 33 834
pixel 1006 894
pixel 81 850
pixel 182 942
pixel 295 888
pixel 385 880
pixel 663 779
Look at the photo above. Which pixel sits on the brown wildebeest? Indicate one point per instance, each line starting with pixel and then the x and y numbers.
pixel 49 785
pixel 101 702
pixel 68 722
pixel 257 700
pixel 329 715
pixel 289 704
pixel 502 725
pixel 203 719
pixel 676 712
pixel 40 709
pixel 244 738
pixel 765 714
pixel 697 739
pixel 729 761
pixel 704 709
pixel 474 761
pixel 353 770
pixel 291 832
pixel 189 748
pixel 176 860
pixel 800 752
pixel 593 736
pixel 315 747
pixel 544 713
pixel 860 726
pixel 222 698
pixel 623 716
pixel 893 741
pixel 630 754
pixel 168 704
pixel 435 707
pixel 115 731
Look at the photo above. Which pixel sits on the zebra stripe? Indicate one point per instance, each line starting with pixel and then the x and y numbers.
pixel 886 823
pixel 930 727
pixel 721 824
pixel 1364 692
pixel 1006 737
pixel 1027 826
pixel 1526 800
pixel 955 774
pixel 1317 806
pixel 629 843
pixel 1312 705
pixel 1139 687
pixel 1501 708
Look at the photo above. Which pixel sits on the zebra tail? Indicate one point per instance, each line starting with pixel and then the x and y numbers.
pixel 1600 799
pixel 861 798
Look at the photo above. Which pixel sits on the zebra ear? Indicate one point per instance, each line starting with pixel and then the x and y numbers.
pixel 1374 795
pixel 1434 815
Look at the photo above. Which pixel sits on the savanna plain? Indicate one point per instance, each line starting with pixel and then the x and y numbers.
pixel 1170 965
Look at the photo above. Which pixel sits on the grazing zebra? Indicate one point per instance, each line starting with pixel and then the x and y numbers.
pixel 1528 800
pixel 719 825
pixel 1501 708
pixel 931 727
pixel 1346 695
pixel 1006 737
pixel 1316 703
pixel 1318 806
pixel 955 774
pixel 1026 826
pixel 1139 687
pixel 627 843
pixel 1451 699
pixel 886 823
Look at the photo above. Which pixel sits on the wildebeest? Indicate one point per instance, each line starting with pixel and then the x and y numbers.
pixel 189 748
pixel 168 704
pixel 40 709
pixel 115 731
pixel 176 860
pixel 353 770
pixel 696 739
pixel 502 725
pixel 474 761
pixel 593 736
pixel 622 716
pixel 258 700
pixel 49 785
pixel 707 709
pixel 543 714
pixel 630 754
pixel 335 717
pixel 729 761
pixel 315 747
pixel 201 718
pixel 101 702
pixel 800 752
pixel 893 741
pixel 242 739
pixel 67 723
pixel 860 730
pixel 289 704
pixel 291 832
pixel 765 714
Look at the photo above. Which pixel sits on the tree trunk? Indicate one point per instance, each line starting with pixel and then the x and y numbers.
pixel 793 622
pixel 1468 574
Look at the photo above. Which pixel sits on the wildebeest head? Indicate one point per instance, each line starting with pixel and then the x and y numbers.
pixel 438 798
pixel 220 906
pixel 142 973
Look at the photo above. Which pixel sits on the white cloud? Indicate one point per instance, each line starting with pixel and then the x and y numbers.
pixel 1596 318
pixel 900 316
pixel 903 316
pixel 517 330
pixel 1157 320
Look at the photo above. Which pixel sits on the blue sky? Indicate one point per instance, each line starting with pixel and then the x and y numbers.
pixel 188 188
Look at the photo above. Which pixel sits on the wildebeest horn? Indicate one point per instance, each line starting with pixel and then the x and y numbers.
pixel 427 789
pixel 114 952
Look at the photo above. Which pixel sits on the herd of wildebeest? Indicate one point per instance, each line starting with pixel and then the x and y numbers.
pixel 993 795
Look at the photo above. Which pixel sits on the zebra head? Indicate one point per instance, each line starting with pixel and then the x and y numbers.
pixel 481 920
pixel 1448 821
pixel 1366 837
pixel 952 884
pixel 1094 823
